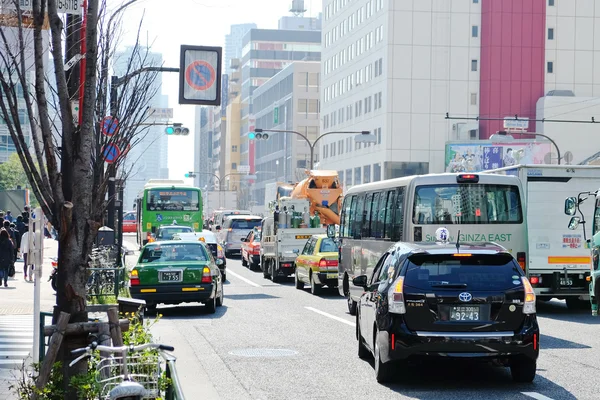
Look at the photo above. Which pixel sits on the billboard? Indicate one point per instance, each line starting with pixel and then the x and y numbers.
pixel 481 155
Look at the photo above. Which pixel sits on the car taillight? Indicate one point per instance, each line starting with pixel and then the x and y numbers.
pixel 255 249
pixel 134 278
pixel 206 278
pixel 327 263
pixel 396 297
pixel 535 280
pixel 522 259
pixel 529 304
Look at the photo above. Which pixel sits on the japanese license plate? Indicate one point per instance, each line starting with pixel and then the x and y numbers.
pixel 566 282
pixel 464 313
pixel 169 276
pixel 332 276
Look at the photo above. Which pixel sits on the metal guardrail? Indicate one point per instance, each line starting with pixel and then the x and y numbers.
pixel 174 391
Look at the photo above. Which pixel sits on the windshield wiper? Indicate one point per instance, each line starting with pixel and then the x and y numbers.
pixel 449 285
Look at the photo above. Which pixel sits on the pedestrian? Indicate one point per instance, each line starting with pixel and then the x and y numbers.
pixel 25 212
pixel 13 228
pixel 9 216
pixel 20 225
pixel 6 255
pixel 24 253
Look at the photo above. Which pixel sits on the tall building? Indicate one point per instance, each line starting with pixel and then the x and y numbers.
pixel 233 43
pixel 396 68
pixel 266 52
pixel 148 159
pixel 287 101
pixel 203 152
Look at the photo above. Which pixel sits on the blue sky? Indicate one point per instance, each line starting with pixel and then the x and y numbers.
pixel 171 23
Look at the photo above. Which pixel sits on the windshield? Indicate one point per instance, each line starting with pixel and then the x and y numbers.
pixel 478 272
pixel 173 253
pixel 467 204
pixel 172 200
pixel 245 224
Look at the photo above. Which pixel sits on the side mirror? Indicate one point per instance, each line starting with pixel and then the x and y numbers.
pixel 330 231
pixel 296 251
pixel 219 261
pixel 570 205
pixel 360 281
pixel 574 223
pixel 244 240
pixel 153 229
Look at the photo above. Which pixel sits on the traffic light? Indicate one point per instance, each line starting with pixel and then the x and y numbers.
pixel 190 175
pixel 258 136
pixel 177 129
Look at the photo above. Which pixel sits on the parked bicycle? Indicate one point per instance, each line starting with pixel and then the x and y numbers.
pixel 127 372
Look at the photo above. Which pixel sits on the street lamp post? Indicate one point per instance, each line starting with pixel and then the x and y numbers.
pixel 312 145
pixel 505 134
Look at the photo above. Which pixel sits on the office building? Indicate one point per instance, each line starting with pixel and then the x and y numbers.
pixel 233 43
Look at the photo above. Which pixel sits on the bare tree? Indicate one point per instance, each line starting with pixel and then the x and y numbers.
pixel 62 155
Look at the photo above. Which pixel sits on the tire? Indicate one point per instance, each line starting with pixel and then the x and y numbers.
pixel 274 276
pixel 574 303
pixel 382 370
pixel 211 306
pixel 220 299
pixel 363 352
pixel 315 288
pixel 53 283
pixel 266 270
pixel 244 262
pixel 351 305
pixel 151 308
pixel 253 266
pixel 523 370
pixel 227 254
pixel 299 284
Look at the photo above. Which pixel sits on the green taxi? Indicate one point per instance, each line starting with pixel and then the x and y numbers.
pixel 317 264
pixel 177 272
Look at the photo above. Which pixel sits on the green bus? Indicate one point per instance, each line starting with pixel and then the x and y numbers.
pixel 164 201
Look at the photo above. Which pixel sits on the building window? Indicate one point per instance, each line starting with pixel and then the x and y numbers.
pixel 550 67
pixel 475 1
pixel 376 172
pixel 550 33
pixel 233 165
pixel 551 3
pixel 473 99
pixel 475 31
pixel 367 174
pixel 348 177
pixel 378 135
pixel 357 176
pixel 234 149
pixel 474 65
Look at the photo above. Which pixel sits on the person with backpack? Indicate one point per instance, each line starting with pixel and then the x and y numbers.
pixel 6 255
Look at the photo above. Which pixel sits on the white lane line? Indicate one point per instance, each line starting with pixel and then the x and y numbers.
pixel 537 396
pixel 342 320
pixel 248 281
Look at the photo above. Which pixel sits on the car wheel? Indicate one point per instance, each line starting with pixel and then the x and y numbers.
pixel 244 262
pixel 211 305
pixel 363 352
pixel 351 305
pixel 274 276
pixel 227 254
pixel 266 270
pixel 299 284
pixel 523 369
pixel 221 297
pixel 382 370
pixel 151 308
pixel 574 303
pixel 315 288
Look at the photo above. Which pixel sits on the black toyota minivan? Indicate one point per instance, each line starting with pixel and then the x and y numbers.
pixel 448 300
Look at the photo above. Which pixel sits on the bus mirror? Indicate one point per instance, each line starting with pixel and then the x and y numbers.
pixel 570 205
pixel 574 223
pixel 330 231
pixel 153 229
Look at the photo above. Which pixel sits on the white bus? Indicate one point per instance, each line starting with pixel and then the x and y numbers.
pixel 482 207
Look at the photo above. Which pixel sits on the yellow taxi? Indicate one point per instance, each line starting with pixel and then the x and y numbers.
pixel 317 264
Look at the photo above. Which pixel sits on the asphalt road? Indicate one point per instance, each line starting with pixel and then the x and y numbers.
pixel 271 341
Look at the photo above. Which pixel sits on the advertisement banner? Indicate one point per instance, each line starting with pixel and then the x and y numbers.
pixel 476 156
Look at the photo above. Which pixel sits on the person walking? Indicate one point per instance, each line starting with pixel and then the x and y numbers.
pixel 20 225
pixel 6 255
pixel 27 271
pixel 9 216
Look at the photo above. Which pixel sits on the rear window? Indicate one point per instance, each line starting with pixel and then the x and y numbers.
pixel 328 246
pixel 173 252
pixel 167 233
pixel 477 272
pixel 245 224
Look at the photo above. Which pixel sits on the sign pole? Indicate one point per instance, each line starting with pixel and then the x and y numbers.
pixel 36 257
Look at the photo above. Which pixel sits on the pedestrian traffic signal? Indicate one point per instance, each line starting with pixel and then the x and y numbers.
pixel 258 136
pixel 177 129
pixel 190 175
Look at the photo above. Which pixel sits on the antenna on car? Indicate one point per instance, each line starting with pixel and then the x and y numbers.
pixel 458 242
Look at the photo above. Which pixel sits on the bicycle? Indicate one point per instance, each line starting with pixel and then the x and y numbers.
pixel 129 376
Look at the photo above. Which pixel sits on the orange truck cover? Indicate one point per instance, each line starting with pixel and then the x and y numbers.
pixel 324 192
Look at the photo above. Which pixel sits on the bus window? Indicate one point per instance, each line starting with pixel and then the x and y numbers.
pixel 596 225
pixel 358 216
pixel 467 204
pixel 375 216
pixel 398 226
pixel 346 213
pixel 172 200
pixel 389 213
pixel 366 226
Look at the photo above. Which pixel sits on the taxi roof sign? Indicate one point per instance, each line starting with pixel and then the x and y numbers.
pixel 200 75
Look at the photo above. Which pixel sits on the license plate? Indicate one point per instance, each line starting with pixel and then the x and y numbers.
pixel 169 276
pixel 566 282
pixel 332 276
pixel 464 313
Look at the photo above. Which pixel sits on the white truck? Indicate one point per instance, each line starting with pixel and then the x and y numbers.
pixel 223 199
pixel 279 246
pixel 558 259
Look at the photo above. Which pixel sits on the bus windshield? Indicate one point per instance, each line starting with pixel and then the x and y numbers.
pixel 172 200
pixel 467 204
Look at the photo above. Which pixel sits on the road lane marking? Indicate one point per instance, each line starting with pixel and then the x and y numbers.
pixel 248 281
pixel 536 396
pixel 342 320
